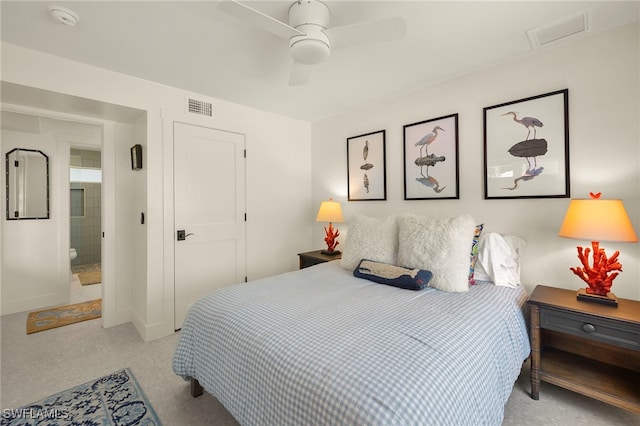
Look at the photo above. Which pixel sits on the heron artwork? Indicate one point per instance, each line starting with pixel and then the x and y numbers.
pixel 429 160
pixel 431 182
pixel 528 122
pixel 428 139
pixel 528 148
pixel 526 176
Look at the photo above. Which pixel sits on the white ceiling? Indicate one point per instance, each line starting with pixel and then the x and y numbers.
pixel 194 46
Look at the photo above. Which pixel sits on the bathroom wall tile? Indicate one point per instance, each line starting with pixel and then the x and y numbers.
pixel 86 231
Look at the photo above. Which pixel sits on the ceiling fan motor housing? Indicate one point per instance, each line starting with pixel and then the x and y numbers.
pixel 310 17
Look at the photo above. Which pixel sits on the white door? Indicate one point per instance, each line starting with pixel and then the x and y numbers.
pixel 210 227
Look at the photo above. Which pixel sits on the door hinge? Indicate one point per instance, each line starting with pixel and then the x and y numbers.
pixel 245 217
pixel 246 279
pixel 245 153
pixel 16 163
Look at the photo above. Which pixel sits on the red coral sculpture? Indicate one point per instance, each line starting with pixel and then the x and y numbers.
pixel 598 277
pixel 330 239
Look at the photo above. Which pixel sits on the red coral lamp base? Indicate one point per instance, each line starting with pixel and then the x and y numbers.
pixel 599 276
pixel 331 240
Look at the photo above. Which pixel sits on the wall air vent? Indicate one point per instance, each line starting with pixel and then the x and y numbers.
pixel 196 106
pixel 560 30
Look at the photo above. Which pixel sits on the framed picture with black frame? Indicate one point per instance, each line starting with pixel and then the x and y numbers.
pixel 431 159
pixel 526 148
pixel 366 167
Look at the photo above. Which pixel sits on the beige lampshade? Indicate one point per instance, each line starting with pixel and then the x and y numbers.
pixel 597 220
pixel 330 211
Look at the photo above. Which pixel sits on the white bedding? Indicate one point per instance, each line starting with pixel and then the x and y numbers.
pixel 320 347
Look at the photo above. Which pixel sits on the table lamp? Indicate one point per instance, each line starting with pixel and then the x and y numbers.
pixel 330 211
pixel 597 220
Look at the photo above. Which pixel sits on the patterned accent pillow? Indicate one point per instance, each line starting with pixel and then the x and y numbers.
pixel 384 273
pixel 473 257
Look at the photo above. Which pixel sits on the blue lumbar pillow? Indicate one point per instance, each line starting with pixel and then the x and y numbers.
pixel 397 276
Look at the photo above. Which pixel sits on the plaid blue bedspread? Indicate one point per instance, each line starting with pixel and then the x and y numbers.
pixel 321 347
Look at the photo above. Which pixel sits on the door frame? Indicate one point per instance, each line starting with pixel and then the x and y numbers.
pixel 109 314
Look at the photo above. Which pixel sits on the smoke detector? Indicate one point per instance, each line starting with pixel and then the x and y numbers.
pixel 64 15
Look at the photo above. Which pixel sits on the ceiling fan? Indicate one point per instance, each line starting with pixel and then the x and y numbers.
pixel 310 37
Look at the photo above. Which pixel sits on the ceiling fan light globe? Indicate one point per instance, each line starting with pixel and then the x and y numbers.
pixel 309 51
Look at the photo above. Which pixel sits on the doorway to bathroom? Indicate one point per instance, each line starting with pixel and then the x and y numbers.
pixel 85 186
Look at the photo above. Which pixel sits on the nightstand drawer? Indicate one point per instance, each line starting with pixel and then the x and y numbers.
pixel 591 327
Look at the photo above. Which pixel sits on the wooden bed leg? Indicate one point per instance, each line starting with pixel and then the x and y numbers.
pixel 196 388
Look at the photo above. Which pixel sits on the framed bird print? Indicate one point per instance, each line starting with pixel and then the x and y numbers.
pixel 366 167
pixel 431 159
pixel 526 148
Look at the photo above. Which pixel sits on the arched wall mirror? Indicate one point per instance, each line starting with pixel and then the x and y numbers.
pixel 27 184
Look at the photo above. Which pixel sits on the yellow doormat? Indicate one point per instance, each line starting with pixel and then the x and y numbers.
pixel 88 278
pixel 63 315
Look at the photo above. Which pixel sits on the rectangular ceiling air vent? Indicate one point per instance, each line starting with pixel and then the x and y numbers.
pixel 196 106
pixel 561 29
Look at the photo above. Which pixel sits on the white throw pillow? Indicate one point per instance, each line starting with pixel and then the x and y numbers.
pixel 499 259
pixel 370 238
pixel 441 246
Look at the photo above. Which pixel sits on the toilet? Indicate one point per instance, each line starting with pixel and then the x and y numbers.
pixel 72 255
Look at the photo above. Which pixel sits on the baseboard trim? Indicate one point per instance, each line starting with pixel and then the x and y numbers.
pixel 152 331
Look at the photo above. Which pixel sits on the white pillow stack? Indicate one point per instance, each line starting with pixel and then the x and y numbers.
pixel 441 246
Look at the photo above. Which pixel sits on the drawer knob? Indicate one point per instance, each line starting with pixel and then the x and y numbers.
pixel 588 328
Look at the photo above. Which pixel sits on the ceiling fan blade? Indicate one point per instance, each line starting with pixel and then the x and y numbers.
pixel 258 19
pixel 300 74
pixel 387 29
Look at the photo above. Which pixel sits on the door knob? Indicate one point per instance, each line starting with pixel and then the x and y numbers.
pixel 182 235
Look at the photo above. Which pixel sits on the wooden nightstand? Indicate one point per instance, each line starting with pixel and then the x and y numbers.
pixel 585 347
pixel 311 258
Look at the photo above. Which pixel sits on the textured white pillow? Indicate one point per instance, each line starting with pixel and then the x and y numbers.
pixel 499 259
pixel 370 238
pixel 438 245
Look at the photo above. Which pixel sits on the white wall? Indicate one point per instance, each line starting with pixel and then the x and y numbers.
pixel 602 75
pixel 278 178
pixel 34 270
pixel 125 243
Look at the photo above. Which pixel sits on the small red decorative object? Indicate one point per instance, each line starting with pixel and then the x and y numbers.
pixel 600 276
pixel 595 196
pixel 330 239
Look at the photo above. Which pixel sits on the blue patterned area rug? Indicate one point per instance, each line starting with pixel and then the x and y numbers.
pixel 115 399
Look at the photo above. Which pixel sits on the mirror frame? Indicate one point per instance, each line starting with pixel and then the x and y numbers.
pixel 7 168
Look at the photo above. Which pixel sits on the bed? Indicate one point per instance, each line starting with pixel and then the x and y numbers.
pixel 320 346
